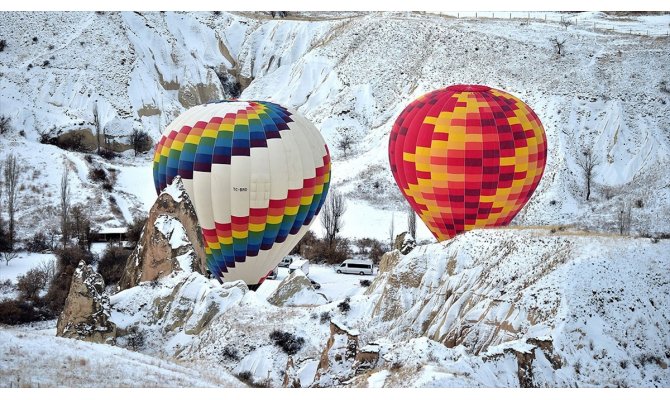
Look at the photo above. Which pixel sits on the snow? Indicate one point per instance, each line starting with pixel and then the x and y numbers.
pixel 173 230
pixel 377 379
pixel 120 230
pixel 31 359
pixel 23 263
pixel 333 285
pixel 176 190
pixel 307 372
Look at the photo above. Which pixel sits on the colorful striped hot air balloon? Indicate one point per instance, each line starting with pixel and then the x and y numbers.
pixel 257 175
pixel 467 156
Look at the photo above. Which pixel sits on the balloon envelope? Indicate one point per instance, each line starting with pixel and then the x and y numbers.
pixel 257 175
pixel 467 156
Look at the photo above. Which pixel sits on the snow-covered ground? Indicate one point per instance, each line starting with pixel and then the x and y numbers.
pixel 40 359
pixel 333 285
pixel 22 264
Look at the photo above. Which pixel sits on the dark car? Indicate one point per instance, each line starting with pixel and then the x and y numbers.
pixel 273 274
pixel 285 262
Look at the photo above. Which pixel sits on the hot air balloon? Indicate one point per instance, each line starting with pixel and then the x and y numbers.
pixel 257 175
pixel 466 157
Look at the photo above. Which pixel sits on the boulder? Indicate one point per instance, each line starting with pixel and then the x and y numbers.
pixel 171 240
pixel 296 290
pixel 86 312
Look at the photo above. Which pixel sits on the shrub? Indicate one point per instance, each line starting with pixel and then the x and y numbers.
pixel 33 282
pixel 140 141
pixel 4 124
pixel 38 243
pixel 14 312
pixel 376 252
pixel 247 377
pixel 135 338
pixel 230 353
pixel 97 175
pixel 106 153
pixel 288 342
pixel 112 263
pixel 344 306
pixel 365 282
pixel 324 317
pixel 108 187
pixel 639 203
pixel 135 229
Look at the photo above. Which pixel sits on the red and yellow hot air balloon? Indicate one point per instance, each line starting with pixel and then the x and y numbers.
pixel 466 157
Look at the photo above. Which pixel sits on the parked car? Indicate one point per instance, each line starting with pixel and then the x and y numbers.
pixel 273 274
pixel 300 264
pixel 285 262
pixel 351 266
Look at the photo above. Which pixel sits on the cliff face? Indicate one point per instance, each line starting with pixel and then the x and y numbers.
pixel 576 298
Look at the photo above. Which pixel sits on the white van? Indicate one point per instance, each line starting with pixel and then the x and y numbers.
pixel 360 267
pixel 302 265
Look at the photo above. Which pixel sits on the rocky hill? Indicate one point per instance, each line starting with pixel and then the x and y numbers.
pixel 351 75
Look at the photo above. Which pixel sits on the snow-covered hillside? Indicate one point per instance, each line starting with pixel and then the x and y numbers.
pixel 351 75
pixel 490 308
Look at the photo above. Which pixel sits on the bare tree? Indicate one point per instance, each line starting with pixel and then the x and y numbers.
pixel 331 215
pixel 96 123
pixel 565 22
pixel 9 255
pixel 65 205
pixel 140 141
pixel 11 186
pixel 624 219
pixel 587 162
pixel 392 230
pixel 345 143
pixel 559 45
pixel 411 222
pixel 80 226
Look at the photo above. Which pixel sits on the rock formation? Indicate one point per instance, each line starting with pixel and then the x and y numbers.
pixel 338 357
pixel 171 240
pixel 86 313
pixel 296 290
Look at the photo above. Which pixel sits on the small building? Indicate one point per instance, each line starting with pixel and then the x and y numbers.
pixel 111 234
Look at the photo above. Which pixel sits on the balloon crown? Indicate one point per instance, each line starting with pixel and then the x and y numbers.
pixel 468 88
